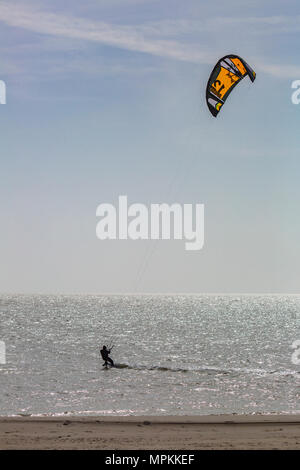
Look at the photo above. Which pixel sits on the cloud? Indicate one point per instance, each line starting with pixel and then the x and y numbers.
pixel 256 25
pixel 124 37
pixel 147 38
pixel 279 71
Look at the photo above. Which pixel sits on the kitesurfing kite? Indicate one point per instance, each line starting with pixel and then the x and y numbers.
pixel 227 73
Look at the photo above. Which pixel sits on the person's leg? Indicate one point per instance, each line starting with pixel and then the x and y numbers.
pixel 110 361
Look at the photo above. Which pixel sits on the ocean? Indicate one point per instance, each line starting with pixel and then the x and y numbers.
pixel 175 354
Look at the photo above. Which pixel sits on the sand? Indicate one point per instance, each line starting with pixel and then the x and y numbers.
pixel 151 432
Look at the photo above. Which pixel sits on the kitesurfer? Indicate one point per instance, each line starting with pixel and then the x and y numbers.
pixel 105 356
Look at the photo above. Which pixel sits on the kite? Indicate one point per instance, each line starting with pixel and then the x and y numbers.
pixel 227 73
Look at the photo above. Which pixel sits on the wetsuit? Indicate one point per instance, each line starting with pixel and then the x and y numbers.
pixel 105 357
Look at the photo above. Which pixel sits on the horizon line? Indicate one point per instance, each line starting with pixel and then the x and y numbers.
pixel 150 293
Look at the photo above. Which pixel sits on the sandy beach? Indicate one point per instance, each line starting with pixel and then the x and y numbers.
pixel 148 432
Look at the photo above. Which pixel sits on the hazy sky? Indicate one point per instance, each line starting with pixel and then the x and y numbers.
pixel 105 98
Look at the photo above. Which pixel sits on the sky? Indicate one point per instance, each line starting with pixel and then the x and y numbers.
pixel 107 98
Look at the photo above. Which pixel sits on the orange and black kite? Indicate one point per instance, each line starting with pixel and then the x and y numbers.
pixel 227 73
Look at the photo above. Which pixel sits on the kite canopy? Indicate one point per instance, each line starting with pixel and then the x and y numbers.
pixel 227 73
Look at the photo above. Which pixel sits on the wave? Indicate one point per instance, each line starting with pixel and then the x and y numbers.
pixel 208 370
pixel 143 367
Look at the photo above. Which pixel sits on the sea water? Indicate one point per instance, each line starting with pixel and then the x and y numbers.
pixel 176 354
